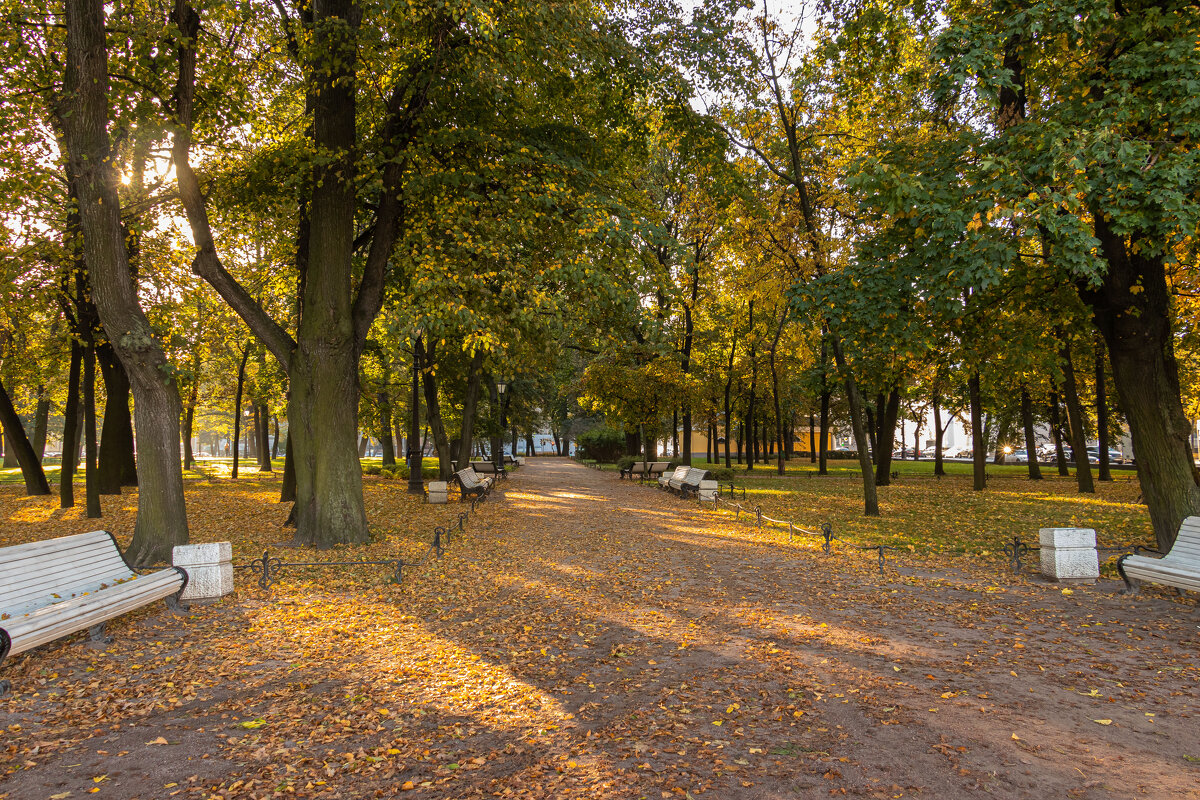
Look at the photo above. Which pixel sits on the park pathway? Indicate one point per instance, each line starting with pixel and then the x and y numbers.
pixel 679 655
pixel 594 638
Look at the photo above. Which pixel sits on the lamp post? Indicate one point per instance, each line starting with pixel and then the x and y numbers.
pixel 498 451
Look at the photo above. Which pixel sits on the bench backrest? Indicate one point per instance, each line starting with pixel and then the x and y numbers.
pixel 695 475
pixel 680 473
pixel 467 477
pixel 483 467
pixel 41 573
pixel 1187 543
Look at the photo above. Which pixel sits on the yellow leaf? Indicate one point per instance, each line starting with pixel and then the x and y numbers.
pixel 1103 721
pixel 407 787
pixel 159 740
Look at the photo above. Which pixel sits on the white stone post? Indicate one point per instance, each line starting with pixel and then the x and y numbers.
pixel 708 491
pixel 438 490
pixel 1069 554
pixel 209 568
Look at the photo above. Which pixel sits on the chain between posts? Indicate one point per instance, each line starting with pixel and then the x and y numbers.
pixel 268 568
pixel 1016 549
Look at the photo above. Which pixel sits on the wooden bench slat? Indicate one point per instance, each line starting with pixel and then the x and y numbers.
pixel 71 580
pixel 54 622
pixel 1179 568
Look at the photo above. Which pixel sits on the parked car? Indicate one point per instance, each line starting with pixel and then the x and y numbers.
pixel 1018 457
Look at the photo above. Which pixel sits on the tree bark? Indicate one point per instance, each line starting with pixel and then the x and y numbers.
pixel 70 448
pixel 41 423
pixel 385 429
pixel 117 466
pixel 470 408
pixel 162 516
pixel 1105 474
pixel 264 439
pixel 1083 468
pixel 287 492
pixel 91 484
pixel 870 495
pixel 433 410
pixel 885 439
pixel 237 410
pixel 1060 457
pixel 939 432
pixel 978 439
pixel 1031 457
pixel 18 442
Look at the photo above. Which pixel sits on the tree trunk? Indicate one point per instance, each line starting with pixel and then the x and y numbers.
pixel 529 445
pixel 385 430
pixel 1060 457
pixel 823 457
pixel 1105 474
pixel 71 419
pixel 1002 434
pixel 752 455
pixel 433 410
pixel 189 416
pixel 287 492
pixel 117 466
pixel 162 517
pixel 779 466
pixel 1031 457
pixel 275 438
pixel 18 443
pixel 885 439
pixel 978 439
pixel 470 408
pixel 1083 468
pixel 91 485
pixel 264 439
pixel 237 409
pixel 872 434
pixel 939 432
pixel 1132 310
pixel 728 403
pixel 41 423
pixel 870 495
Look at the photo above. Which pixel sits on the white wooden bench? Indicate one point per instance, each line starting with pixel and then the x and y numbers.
pixel 684 480
pixel 645 469
pixel 54 588
pixel 471 483
pixel 487 468
pixel 1179 568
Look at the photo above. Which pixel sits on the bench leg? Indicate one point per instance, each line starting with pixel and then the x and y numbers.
pixel 177 606
pixel 1130 586
pixel 97 636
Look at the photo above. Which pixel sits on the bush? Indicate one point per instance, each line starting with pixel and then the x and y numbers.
pixel 601 444
pixel 723 475
pixel 626 462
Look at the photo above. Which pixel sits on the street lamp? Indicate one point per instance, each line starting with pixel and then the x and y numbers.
pixel 498 452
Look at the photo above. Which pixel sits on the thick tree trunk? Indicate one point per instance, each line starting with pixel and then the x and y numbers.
pixel 162 517
pixel 1105 474
pixel 470 408
pixel 287 492
pixel 1083 468
pixel 71 419
pixel 18 442
pixel 1035 471
pixel 117 466
pixel 1132 311
pixel 885 439
pixel 91 484
pixel 978 438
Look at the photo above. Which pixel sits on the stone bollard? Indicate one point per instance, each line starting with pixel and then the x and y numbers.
pixel 1069 554
pixel 438 491
pixel 708 491
pixel 209 568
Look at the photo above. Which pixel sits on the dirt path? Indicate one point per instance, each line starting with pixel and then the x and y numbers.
pixel 592 638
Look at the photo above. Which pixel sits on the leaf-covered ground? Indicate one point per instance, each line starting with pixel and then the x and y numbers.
pixel 589 637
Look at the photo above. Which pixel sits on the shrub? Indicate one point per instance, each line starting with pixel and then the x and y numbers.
pixel 723 475
pixel 626 462
pixel 602 444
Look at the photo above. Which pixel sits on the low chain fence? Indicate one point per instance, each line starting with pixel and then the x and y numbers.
pixel 269 568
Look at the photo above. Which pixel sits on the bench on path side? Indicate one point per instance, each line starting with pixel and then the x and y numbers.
pixel 1179 568
pixel 471 484
pixel 487 468
pixel 645 469
pixel 684 480
pixel 53 588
